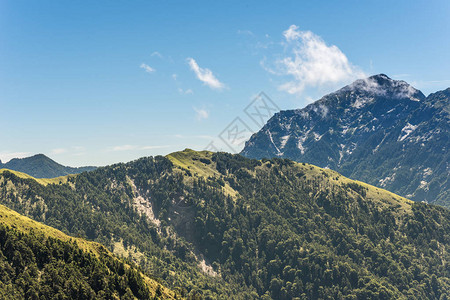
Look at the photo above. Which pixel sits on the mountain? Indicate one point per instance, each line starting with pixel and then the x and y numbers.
pixel 40 166
pixel 222 226
pixel 377 130
pixel 40 262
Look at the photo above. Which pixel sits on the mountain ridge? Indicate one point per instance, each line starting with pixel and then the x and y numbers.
pixel 374 130
pixel 56 265
pixel 207 221
pixel 41 166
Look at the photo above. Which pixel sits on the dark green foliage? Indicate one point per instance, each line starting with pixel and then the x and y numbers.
pixel 205 161
pixel 40 166
pixel 98 206
pixel 284 236
pixel 35 267
pixel 282 241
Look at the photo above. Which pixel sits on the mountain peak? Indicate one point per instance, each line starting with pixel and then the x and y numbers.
pixel 35 157
pixel 380 76
pixel 40 156
pixel 377 129
pixel 383 85
pixel 42 166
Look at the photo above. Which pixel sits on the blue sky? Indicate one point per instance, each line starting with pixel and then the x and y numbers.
pixel 98 82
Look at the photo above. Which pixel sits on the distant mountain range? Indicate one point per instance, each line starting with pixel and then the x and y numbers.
pixel 41 166
pixel 377 130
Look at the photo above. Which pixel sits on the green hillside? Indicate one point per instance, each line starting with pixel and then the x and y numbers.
pixel 43 181
pixel 40 262
pixel 41 166
pixel 217 226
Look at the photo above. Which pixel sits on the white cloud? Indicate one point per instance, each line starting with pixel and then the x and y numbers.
pixel 174 77
pixel 292 33
pixel 400 88
pixel 205 75
pixel 201 114
pixel 147 68
pixel 58 151
pixel 7 156
pixel 156 53
pixel 310 62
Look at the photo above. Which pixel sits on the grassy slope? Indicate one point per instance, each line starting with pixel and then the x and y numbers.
pixel 200 165
pixel 43 181
pixel 197 164
pixel 189 160
pixel 26 225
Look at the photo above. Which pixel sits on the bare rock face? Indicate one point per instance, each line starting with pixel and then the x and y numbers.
pixel 377 130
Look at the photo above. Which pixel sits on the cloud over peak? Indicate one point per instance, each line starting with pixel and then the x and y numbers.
pixel 205 75
pixel 310 62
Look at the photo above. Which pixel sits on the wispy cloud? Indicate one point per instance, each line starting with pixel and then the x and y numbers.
pixel 310 62
pixel 7 156
pixel 147 68
pixel 201 114
pixel 185 92
pixel 205 75
pixel 157 54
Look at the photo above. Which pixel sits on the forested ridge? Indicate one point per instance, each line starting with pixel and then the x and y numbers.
pixel 39 262
pixel 216 225
pixel 41 166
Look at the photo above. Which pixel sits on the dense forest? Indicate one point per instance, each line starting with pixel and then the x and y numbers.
pixel 38 262
pixel 41 166
pixel 216 225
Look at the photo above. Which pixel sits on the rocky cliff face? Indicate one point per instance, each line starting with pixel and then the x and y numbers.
pixel 378 130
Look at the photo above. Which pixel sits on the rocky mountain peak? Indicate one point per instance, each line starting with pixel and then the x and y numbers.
pixel 379 130
pixel 381 85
